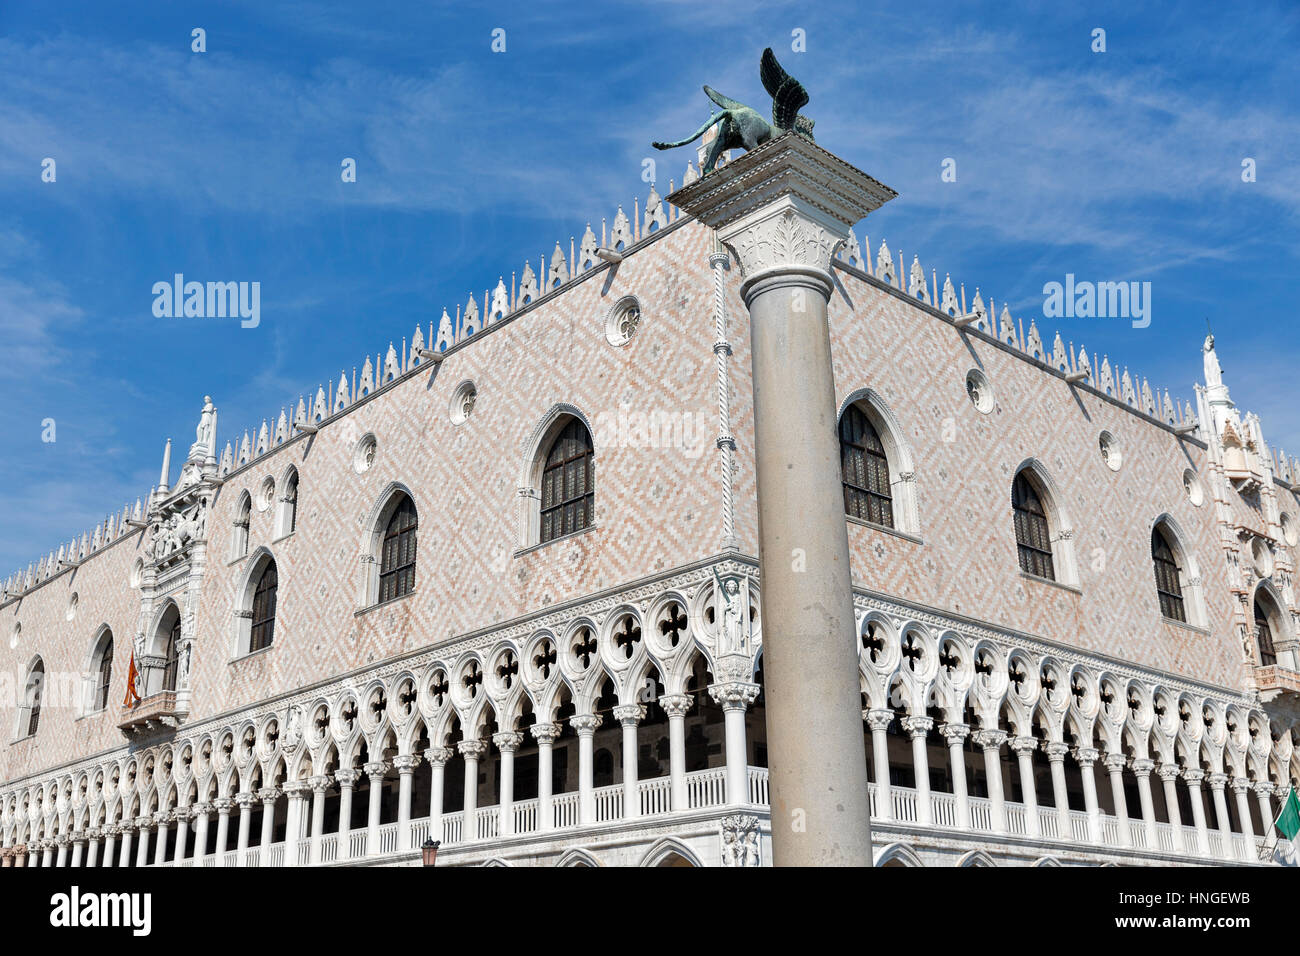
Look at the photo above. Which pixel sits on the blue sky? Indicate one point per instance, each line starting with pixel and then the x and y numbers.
pixel 1123 165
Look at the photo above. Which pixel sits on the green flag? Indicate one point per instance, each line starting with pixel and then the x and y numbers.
pixel 1288 821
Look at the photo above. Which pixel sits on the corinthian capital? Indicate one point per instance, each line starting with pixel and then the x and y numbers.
pixel 676 705
pixel 734 694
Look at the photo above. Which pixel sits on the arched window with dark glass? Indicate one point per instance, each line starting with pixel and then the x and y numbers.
pixel 568 483
pixel 105 675
pixel 1033 534
pixel 1168 585
pixel 865 470
pixel 171 653
pixel 1267 655
pixel 397 553
pixel 263 627
pixel 35 688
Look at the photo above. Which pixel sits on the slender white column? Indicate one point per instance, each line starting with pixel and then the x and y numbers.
pixel 629 716
pixel 1056 752
pixel 917 728
pixel 182 834
pixel 507 742
pixel 1194 778
pixel 111 834
pixel 128 833
pixel 61 851
pixel 676 706
pixel 268 796
pixel 956 735
pixel 161 821
pixel 1240 787
pixel 782 209
pixel 222 805
pixel 1263 790
pixel 878 721
pixel 142 850
pixel 991 741
pixel 47 855
pixel 1168 773
pixel 375 770
pixel 1086 758
pixel 92 849
pixel 1115 763
pixel 320 785
pixel 405 765
pixel 1024 748
pixel 1216 782
pixel 202 819
pixel 471 751
pixel 245 802
pixel 585 726
pixel 78 848
pixel 545 735
pixel 437 758
pixel 347 780
pixel 296 822
pixel 734 697
pixel 1142 767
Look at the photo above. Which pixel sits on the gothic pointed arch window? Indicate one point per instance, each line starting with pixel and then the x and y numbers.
pixel 29 718
pixel 397 552
pixel 1264 633
pixel 1169 575
pixel 568 491
pixel 243 517
pixel 865 469
pixel 171 652
pixel 102 671
pixel 262 630
pixel 1033 532
pixel 286 514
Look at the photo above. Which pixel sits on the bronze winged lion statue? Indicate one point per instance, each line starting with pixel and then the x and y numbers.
pixel 742 126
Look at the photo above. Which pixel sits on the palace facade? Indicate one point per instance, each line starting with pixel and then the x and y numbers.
pixel 493 590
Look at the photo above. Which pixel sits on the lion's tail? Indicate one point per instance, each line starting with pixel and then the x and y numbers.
pixel 694 136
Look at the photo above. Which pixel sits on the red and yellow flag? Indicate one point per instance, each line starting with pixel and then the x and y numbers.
pixel 132 696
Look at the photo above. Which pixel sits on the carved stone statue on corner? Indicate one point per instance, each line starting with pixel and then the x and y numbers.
pixel 740 840
pixel 743 126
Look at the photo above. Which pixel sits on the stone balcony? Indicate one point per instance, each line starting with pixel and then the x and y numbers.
pixel 155 712
pixel 1026 837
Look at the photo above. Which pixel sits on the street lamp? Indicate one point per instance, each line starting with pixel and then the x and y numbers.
pixel 429 852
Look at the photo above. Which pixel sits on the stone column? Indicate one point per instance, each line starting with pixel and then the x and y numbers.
pixel 585 726
pixel 1142 767
pixel 545 735
pixel 47 854
pixel 320 785
pixel 1056 752
pixel 110 844
pixel 245 802
pixel 991 741
pixel 956 735
pixel 1240 787
pixel 878 721
pixel 629 716
pixel 92 849
pixel 347 780
pixel 1168 773
pixel 734 697
pixel 375 770
pixel 1263 789
pixel 1194 778
pixel 128 832
pixel 61 850
pixel 182 834
pixel 471 751
pixel 78 848
pixel 1216 782
pixel 507 742
pixel 676 706
pixel 268 796
pixel 1086 758
pixel 296 793
pixel 222 805
pixel 142 825
pixel 917 728
pixel 161 822
pixel 782 209
pixel 1024 748
pixel 405 765
pixel 1115 763
pixel 202 812
pixel 437 758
